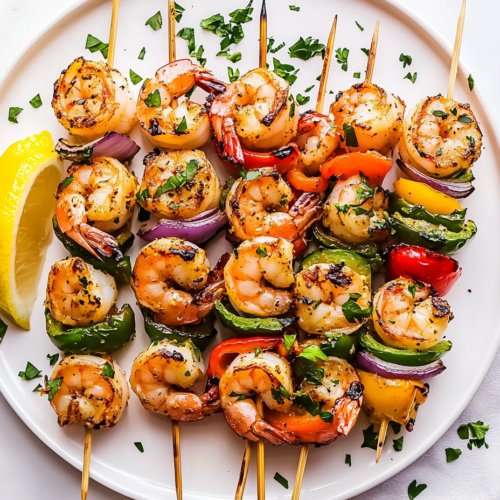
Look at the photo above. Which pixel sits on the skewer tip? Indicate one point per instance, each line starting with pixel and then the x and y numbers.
pixel 384 425
pixel 263 11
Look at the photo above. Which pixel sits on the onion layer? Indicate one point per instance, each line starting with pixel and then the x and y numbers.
pixel 372 364
pixel 196 230
pixel 451 188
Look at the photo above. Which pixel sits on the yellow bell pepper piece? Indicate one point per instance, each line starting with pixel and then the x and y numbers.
pixel 392 399
pixel 418 193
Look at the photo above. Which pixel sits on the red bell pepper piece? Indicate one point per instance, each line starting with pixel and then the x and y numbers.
pixel 422 264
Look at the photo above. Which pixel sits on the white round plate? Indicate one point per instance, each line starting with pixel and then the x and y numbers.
pixel 211 453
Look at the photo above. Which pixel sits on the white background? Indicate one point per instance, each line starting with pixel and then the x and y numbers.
pixel 29 470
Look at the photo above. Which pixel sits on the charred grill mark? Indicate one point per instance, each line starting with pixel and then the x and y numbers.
pixel 185 255
pixel 355 390
pixel 337 277
pixel 442 308
pixel 284 152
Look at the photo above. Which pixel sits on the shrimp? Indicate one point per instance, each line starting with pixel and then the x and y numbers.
pixel 266 374
pixel 258 274
pixel 78 294
pixel 95 200
pixel 166 273
pixel 89 389
pixel 440 137
pixel 354 211
pixel 161 370
pixel 256 112
pixel 373 115
pixel 409 315
pixel 90 99
pixel 339 392
pixel 200 192
pixel 186 126
pixel 321 291
pixel 260 207
pixel 317 139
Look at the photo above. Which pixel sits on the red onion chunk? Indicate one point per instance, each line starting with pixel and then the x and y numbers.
pixel 196 230
pixel 372 364
pixel 453 189
pixel 113 144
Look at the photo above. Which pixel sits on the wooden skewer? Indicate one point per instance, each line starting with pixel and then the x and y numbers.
pixel 382 433
pixel 86 462
pixel 456 53
pixel 112 33
pixel 171 40
pixel 304 449
pixel 261 484
pixel 176 441
pixel 242 480
pixel 263 36
pixel 326 67
pixel 372 55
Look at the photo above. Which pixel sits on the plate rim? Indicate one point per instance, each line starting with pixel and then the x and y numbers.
pixel 441 44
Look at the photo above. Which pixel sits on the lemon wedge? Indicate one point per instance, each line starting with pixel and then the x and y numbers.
pixel 30 171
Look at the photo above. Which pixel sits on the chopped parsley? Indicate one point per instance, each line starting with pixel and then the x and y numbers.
pixel 293 7
pixel 241 16
pixel 350 136
pixel 153 100
pixel 326 416
pixel 440 114
pixel 359 26
pixel 233 74
pixel 143 196
pixel 415 489
pixel 406 60
pixel 14 113
pixel 234 57
pixel 178 11
pixel 257 351
pixel 370 438
pixel 348 460
pixel 188 35
pixel 306 403
pixel 108 370
pixel 411 289
pixel 286 71
pixel 452 454
pixel 280 479
pixel 454 111
pixel 342 55
pixel 36 102
pixel 187 374
pixel 464 118
pixel 366 51
pixel 280 393
pixel 53 358
pixel 261 252
pixel 357 75
pixel 142 54
pixel 475 432
pixel 315 377
pixel 412 78
pixel 38 388
pixel 181 127
pixel 312 352
pixel 189 93
pixel 30 372
pixel 352 311
pixel 134 77
pixel 52 386
pixel 155 21
pixel 253 174
pixel 471 83
pixel 94 45
pixel 66 182
pixel 236 254
pixel 309 88
pixel 289 340
pixel 3 329
pixel 238 395
pixel 271 48
pixel 139 446
pixel 397 444
pixel 305 49
pixel 303 99
pixel 178 181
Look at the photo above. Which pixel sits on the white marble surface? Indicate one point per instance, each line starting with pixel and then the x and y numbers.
pixel 29 470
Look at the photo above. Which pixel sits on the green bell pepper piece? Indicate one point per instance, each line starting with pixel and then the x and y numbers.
pixel 464 175
pixel 369 251
pixel 453 222
pixel 435 237
pixel 249 327
pixel 405 357
pixel 121 270
pixel 225 191
pixel 334 256
pixel 200 334
pixel 103 338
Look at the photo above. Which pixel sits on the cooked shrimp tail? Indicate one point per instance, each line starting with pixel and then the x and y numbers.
pixel 207 82
pixel 227 141
pixel 104 243
pixel 306 210
pixel 308 120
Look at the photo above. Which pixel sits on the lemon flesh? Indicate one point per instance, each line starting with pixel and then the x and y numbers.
pixel 30 171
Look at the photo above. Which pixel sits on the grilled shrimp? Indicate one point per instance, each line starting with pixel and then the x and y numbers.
pixel 172 278
pixel 256 112
pixel 78 294
pixel 95 200
pixel 199 193
pixel 354 211
pixel 265 374
pixel 258 275
pixel 374 116
pixel 317 139
pixel 260 207
pixel 162 371
pixel 90 99
pixel 89 389
pixel 320 293
pixel 186 126
pixel 440 137
pixel 409 314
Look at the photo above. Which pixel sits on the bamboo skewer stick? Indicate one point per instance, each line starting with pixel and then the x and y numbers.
pixel 456 53
pixel 372 55
pixel 261 484
pixel 263 36
pixel 176 441
pixel 326 67
pixel 86 462
pixel 304 449
pixel 112 33
pixel 382 433
pixel 171 40
pixel 242 480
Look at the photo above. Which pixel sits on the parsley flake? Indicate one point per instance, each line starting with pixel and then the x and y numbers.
pixel 30 372
pixel 370 438
pixel 178 11
pixel 357 75
pixel 233 74
pixel 289 340
pixel 359 26
pixel 253 174
pixel 286 71
pixel 271 48
pixel 280 479
pixel 293 7
pixel 13 114
pixel 134 77
pixel 366 51
pixel 155 21
pixel 471 83
pixel 412 78
pixel 38 388
pixel 464 118
pixel 53 358
pixel 350 136
pixel 303 99
pixel 257 351
pixel 188 35
pixel 108 370
pixel 306 49
pixel 142 53
pixel 181 127
pixel 312 352
pixel 36 102
pixel 342 55
pixel 139 446
pixel 397 444
pixel 261 252
pixel 406 60
pixel 238 395
pixel 94 45
pixel 411 289
pixel 153 100
pixel 348 460
pixel 452 454
pixel 415 489
pixel 3 329
pixel 52 386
